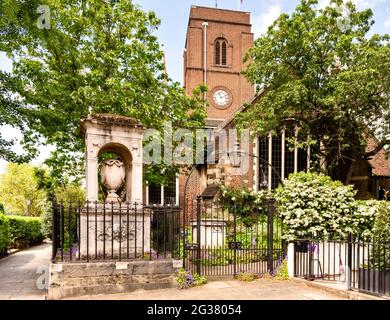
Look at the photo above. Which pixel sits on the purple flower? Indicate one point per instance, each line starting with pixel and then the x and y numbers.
pixel 74 251
pixel 153 254
pixel 312 247
pixel 189 279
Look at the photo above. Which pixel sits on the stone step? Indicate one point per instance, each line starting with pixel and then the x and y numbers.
pixel 77 291
pixel 75 279
pixel 114 279
pixel 69 270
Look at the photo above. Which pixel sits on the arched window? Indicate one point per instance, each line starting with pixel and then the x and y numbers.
pixel 224 53
pixel 221 51
pixel 217 53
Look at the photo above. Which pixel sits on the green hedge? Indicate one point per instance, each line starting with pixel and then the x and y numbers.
pixel 25 231
pixel 381 229
pixel 5 239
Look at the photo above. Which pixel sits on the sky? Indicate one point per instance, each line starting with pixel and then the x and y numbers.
pixel 172 32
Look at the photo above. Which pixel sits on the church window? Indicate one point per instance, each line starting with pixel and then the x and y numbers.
pixel 278 152
pixel 163 194
pixel 217 53
pixel 224 53
pixel 221 51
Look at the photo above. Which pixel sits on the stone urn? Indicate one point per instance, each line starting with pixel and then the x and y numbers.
pixel 113 177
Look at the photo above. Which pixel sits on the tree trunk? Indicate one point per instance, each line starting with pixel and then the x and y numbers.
pixel 350 171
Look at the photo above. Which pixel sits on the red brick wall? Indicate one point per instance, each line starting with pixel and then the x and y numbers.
pixel 246 179
pixel 235 27
pixel 195 187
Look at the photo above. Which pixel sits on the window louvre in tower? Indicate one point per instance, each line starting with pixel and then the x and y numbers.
pixel 224 53
pixel 217 52
pixel 221 52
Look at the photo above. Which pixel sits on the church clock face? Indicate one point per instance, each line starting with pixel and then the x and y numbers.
pixel 221 98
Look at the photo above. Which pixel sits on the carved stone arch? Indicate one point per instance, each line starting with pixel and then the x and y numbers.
pixel 127 158
pixel 118 148
pixel 120 135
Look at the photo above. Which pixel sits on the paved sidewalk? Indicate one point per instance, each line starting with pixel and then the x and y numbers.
pixel 261 289
pixel 18 280
pixel 18 273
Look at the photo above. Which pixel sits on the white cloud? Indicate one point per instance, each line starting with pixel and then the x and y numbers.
pixel 5 63
pixel 387 22
pixel 10 133
pixel 264 20
pixel 361 4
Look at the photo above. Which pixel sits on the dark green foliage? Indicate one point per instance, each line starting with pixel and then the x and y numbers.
pixel 380 250
pixel 25 231
pixel 4 234
pixel 46 224
pixel 186 279
pixel 224 257
pixel 247 204
pixel 97 56
pixel 331 82
pixel 381 230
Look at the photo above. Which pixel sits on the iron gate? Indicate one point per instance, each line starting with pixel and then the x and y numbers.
pixel 229 239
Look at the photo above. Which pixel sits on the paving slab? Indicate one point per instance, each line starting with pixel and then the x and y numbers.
pixel 261 289
pixel 19 273
pixel 18 281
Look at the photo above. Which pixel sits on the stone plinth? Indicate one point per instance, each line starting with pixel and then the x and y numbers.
pixel 105 232
pixel 212 233
pixel 78 279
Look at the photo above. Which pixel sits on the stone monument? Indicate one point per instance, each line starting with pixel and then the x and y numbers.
pixel 114 232
pixel 106 224
pixel 122 136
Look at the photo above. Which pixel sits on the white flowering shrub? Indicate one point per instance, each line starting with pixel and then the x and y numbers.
pixel 381 228
pixel 313 206
pixel 361 222
pixel 241 196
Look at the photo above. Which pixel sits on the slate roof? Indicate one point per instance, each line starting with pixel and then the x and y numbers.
pixel 210 191
pixel 380 163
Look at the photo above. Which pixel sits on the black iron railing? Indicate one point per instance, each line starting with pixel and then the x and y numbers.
pixel 229 239
pixel 211 238
pixel 363 265
pixel 114 231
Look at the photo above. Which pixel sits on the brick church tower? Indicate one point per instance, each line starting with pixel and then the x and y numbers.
pixel 216 43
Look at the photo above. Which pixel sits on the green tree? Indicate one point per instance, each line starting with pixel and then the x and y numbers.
pixel 11 113
pixel 19 191
pixel 97 56
pixel 63 190
pixel 71 192
pixel 320 71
